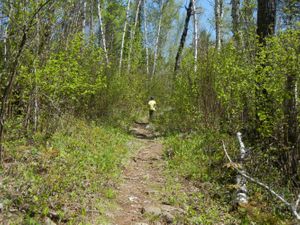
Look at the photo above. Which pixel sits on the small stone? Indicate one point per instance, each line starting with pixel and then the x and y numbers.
pixel 133 198
pixel 141 224
pixel 172 210
pixel 151 210
pixel 48 221
pixel 168 217
pixel 151 192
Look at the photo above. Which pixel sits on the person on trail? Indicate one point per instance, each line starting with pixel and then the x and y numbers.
pixel 152 108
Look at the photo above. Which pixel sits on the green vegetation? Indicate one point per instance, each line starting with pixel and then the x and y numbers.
pixel 75 75
pixel 208 186
pixel 68 177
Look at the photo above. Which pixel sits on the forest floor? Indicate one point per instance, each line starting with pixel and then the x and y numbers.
pixel 88 174
pixel 140 192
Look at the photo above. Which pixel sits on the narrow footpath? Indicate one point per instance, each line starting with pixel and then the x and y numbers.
pixel 139 194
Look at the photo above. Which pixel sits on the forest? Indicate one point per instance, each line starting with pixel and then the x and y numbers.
pixel 77 144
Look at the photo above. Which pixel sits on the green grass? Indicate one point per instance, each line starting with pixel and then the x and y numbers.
pixel 68 177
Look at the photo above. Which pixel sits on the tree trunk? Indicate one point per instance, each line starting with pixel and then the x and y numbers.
pixel 5 36
pixel 13 73
pixel 266 19
pixel 157 37
pixel 103 38
pixel 183 36
pixel 195 36
pixel 92 20
pixel 242 196
pixel 36 106
pixel 218 22
pixel 84 17
pixel 146 37
pixel 132 33
pixel 235 14
pixel 123 36
pixel 8 90
pixel 291 125
pixel 266 15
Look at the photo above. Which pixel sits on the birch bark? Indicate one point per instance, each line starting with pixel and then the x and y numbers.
pixel 6 32
pixel 123 36
pixel 157 37
pixel 84 17
pixel 242 197
pixel 146 36
pixel 36 105
pixel 132 34
pixel 218 22
pixel 195 36
pixel 92 20
pixel 103 38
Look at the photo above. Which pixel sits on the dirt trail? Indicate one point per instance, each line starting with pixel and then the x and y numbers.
pixel 139 192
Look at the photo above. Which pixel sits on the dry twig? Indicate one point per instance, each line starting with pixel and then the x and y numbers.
pixel 292 207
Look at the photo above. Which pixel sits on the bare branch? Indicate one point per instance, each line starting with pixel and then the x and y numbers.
pixel 292 207
pixel 297 202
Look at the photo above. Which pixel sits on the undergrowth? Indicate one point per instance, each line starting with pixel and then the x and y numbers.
pixel 206 183
pixel 69 177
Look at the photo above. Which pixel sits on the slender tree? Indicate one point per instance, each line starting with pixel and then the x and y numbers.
pixel 218 22
pixel 158 37
pixel 13 70
pixel 195 35
pixel 101 27
pixel 146 36
pixel 183 36
pixel 6 31
pixel 84 16
pixel 123 36
pixel 235 14
pixel 132 34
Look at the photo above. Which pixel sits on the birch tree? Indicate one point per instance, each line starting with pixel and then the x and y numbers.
pixel 123 36
pixel 157 37
pixel 146 36
pixel 84 17
pixel 195 35
pixel 132 33
pixel 5 36
pixel 101 27
pixel 12 72
pixel 218 22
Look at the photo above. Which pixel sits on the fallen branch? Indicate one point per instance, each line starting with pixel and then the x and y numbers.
pixel 292 207
pixel 242 193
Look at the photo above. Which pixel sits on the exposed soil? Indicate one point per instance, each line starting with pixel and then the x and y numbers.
pixel 139 191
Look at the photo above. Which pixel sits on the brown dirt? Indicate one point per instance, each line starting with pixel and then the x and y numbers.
pixel 142 179
pixel 142 186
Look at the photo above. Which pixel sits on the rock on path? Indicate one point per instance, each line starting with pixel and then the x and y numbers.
pixel 138 194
